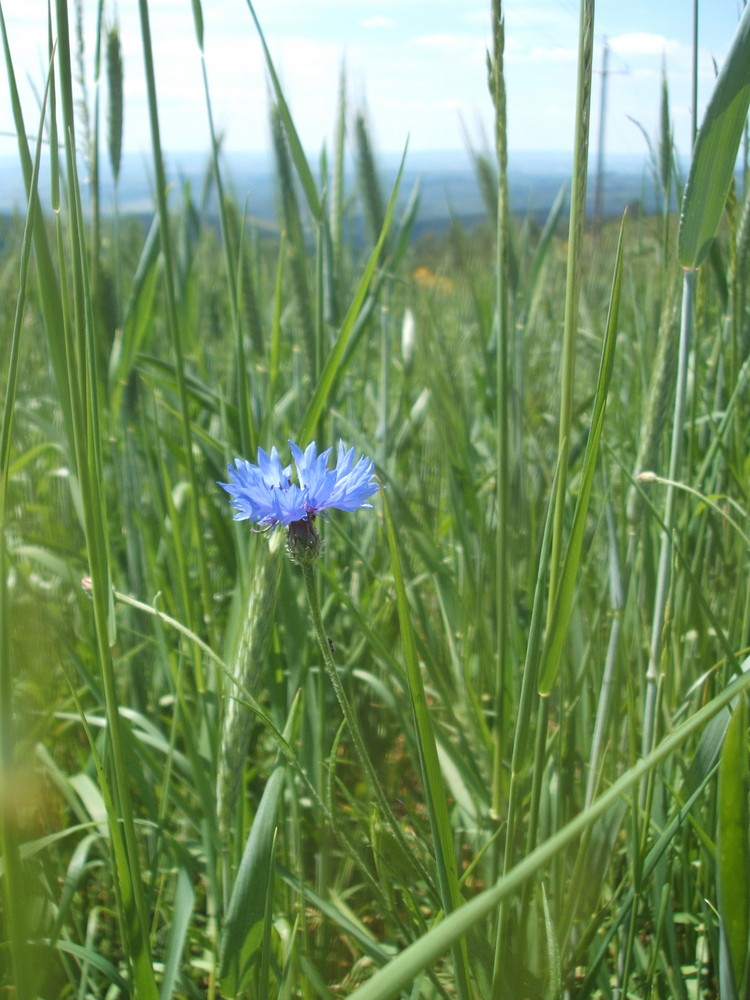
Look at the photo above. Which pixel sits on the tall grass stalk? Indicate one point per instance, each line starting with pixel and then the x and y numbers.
pixel 176 336
pixel 232 263
pixel 567 379
pixel 503 334
pixel 87 447
pixel 665 555
pixel 573 276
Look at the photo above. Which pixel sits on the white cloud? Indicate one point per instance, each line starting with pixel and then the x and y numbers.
pixel 557 54
pixel 376 21
pixel 641 43
pixel 447 41
pixel 470 44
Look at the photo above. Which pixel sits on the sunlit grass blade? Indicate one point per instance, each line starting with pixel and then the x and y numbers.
pixel 715 152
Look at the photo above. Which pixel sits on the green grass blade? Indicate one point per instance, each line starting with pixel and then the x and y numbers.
pixel 90 956
pixel 434 786
pixel 88 436
pixel 715 152
pixel 194 610
pixel 241 937
pixel 295 145
pixel 297 252
pixel 563 600
pixel 333 363
pixel 182 912
pixel 232 253
pixel 15 891
pixel 50 298
pixel 733 855
pixel 573 276
pixel 399 973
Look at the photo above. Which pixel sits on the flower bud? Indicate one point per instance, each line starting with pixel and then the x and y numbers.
pixel 303 541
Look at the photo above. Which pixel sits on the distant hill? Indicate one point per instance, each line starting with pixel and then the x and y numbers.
pixel 449 186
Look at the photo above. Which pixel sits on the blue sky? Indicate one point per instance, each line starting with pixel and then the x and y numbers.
pixel 416 66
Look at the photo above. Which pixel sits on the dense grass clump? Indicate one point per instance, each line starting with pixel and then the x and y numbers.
pixel 492 741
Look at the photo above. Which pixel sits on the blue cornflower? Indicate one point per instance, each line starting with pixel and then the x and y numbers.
pixel 265 494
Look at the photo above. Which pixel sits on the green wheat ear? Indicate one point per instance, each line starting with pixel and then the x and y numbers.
pixel 367 177
pixel 251 646
pixel 114 78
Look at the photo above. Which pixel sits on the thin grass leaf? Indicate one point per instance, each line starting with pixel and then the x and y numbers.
pixel 79 341
pixel 715 152
pixel 125 890
pixel 295 145
pixel 399 973
pixel 50 298
pixel 330 371
pixel 573 276
pixel 181 912
pixel 294 242
pixel 563 601
pixel 91 957
pixel 232 261
pixel 432 778
pixel 194 610
pixel 624 908
pixel 733 855
pixel 14 892
pixel 242 934
pixel 137 321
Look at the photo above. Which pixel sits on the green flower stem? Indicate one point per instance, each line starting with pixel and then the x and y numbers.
pixel 352 724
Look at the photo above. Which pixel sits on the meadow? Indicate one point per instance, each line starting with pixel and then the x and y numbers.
pixel 491 742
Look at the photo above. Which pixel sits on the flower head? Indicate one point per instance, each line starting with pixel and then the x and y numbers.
pixel 265 494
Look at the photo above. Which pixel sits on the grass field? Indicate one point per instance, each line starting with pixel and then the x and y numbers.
pixel 492 741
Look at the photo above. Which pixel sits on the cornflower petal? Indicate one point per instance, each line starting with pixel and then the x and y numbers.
pixel 265 494
pixel 315 478
pixel 274 475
